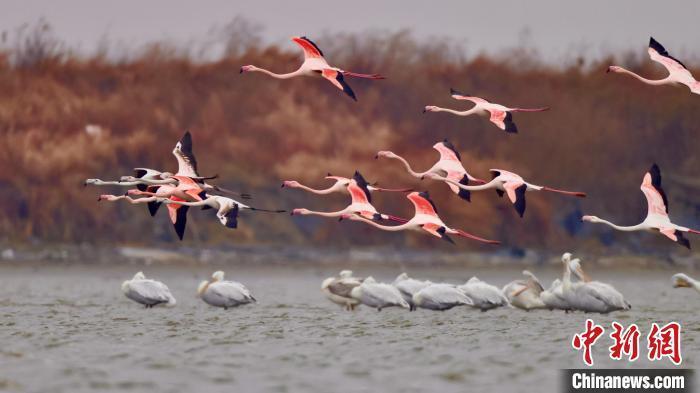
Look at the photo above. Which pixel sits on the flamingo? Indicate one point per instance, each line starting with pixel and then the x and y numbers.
pixel 315 64
pixel 505 182
pixel 147 292
pixel 338 289
pixel 681 280
pixel 678 74
pixel 425 220
pixel 499 115
pixel 657 212
pixel 361 203
pixel 378 295
pixel 589 296
pixel 187 166
pixel 449 166
pixel 441 297
pixel 409 287
pixel 484 296
pixel 187 190
pixel 225 294
pixel 340 185
pixel 525 294
pixel 227 209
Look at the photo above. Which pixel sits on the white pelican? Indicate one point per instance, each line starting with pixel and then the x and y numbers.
pixel 147 292
pixel 409 287
pixel 484 296
pixel 681 280
pixel 525 294
pixel 553 298
pixel 220 293
pixel 441 297
pixel 378 295
pixel 337 289
pixel 589 296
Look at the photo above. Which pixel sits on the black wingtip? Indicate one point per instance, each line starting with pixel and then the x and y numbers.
pixel 520 203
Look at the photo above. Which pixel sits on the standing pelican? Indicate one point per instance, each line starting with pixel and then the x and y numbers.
pixel 501 116
pixel 409 287
pixel 449 166
pixel 338 289
pixel 220 293
pixel 147 292
pixel 681 280
pixel 657 212
pixel 525 294
pixel 484 296
pixel 678 74
pixel 378 295
pixel 589 296
pixel 508 183
pixel 441 297
pixel 315 64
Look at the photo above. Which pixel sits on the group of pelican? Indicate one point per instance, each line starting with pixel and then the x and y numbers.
pixel 216 292
pixel 579 294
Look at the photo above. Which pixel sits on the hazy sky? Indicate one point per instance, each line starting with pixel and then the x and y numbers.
pixel 556 27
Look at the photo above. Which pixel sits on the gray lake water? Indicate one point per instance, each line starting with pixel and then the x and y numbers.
pixel 68 328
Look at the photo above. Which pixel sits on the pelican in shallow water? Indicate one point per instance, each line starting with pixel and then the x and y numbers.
pixel 587 295
pixel 525 294
pixel 441 297
pixel 147 292
pixel 409 287
pixel 220 293
pixel 378 295
pixel 484 296
pixel 337 289
pixel 681 280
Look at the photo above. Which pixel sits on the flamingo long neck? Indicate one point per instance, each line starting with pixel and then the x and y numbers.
pixel 205 202
pixel 630 228
pixel 328 214
pixel 316 191
pixel 408 167
pixel 654 82
pixel 390 228
pixel 279 76
pixel 492 184
pixel 456 112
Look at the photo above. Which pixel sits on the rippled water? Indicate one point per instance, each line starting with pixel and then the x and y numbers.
pixel 69 329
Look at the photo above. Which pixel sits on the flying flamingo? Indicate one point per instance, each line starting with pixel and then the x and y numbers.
pixel 341 185
pixel 361 203
pixel 315 64
pixel 425 220
pixel 678 74
pixel 657 212
pixel 226 208
pixel 505 182
pixel 501 116
pixel 187 190
pixel 187 166
pixel 449 166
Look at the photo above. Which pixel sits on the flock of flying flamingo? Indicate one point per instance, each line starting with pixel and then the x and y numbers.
pixel 187 188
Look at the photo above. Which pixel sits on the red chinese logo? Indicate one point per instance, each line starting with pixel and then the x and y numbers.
pixel 665 342
pixel 587 339
pixel 662 342
pixel 626 342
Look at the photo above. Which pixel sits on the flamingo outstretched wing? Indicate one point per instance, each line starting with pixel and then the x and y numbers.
pixel 657 202
pixel 421 201
pixel 659 54
pixel 503 120
pixel 461 96
pixel 447 151
pixel 337 79
pixel 311 50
